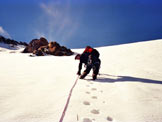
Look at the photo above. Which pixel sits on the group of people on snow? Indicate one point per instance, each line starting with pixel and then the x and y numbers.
pixel 90 57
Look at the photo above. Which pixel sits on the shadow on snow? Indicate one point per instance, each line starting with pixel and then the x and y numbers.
pixel 106 78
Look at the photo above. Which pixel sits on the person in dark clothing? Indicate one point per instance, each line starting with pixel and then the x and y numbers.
pixel 83 58
pixel 93 63
pixel 90 57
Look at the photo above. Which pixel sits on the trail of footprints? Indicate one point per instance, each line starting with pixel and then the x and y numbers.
pixel 93 111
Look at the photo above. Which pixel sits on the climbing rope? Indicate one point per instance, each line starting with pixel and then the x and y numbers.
pixel 68 100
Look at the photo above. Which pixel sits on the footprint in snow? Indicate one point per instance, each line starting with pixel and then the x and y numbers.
pixel 87 92
pixel 109 119
pixel 86 103
pixel 94 111
pixel 94 97
pixel 86 120
pixel 93 89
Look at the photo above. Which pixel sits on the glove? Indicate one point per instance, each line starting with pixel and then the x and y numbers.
pixel 78 73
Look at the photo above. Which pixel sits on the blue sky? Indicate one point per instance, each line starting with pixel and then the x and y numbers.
pixel 77 23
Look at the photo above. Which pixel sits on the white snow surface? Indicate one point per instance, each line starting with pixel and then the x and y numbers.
pixel 128 89
pixel 4 46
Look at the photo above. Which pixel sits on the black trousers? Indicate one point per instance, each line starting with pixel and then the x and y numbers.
pixel 95 68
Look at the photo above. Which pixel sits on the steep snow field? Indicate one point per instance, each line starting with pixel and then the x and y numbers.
pixel 128 89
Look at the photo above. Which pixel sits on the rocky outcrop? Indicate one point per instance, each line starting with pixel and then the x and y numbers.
pixel 35 44
pixel 55 49
pixel 41 47
pixel 11 42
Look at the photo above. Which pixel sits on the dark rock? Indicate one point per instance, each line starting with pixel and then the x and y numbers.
pixel 11 41
pixel 35 44
pixel 2 39
pixel 39 47
pixel 23 43
pixel 57 50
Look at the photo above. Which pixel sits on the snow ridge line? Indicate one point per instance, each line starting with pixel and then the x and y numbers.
pixel 68 100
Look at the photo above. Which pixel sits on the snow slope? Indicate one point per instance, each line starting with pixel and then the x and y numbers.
pixel 128 89
pixel 4 46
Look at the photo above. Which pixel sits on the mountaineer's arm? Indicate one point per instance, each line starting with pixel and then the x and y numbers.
pixel 80 68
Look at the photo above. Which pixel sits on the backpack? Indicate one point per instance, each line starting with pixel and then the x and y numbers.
pixel 95 53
